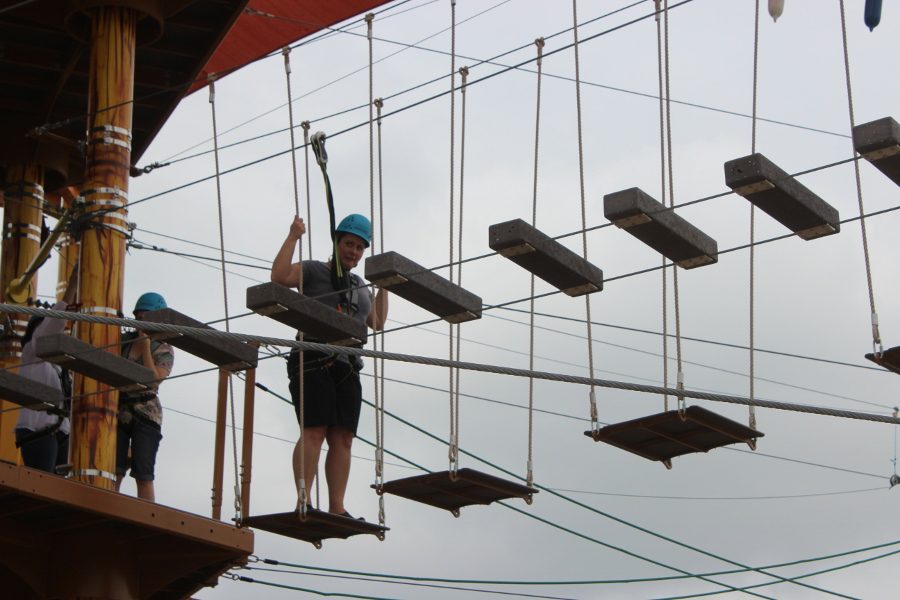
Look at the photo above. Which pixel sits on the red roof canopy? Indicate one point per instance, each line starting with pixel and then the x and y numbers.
pixel 269 25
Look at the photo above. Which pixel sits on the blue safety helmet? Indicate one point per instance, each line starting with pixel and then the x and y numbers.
pixel 357 225
pixel 150 301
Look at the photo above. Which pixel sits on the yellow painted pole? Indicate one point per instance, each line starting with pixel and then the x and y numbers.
pixel 22 218
pixel 111 89
pixel 219 453
pixel 247 440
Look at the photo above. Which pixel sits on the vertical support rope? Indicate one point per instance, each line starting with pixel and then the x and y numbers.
pixel 680 375
pixel 662 173
pixel 896 410
pixel 464 73
pixel 369 18
pixel 379 105
pixel 876 334
pixel 302 492
pixel 752 410
pixel 895 479
pixel 212 105
pixel 453 453
pixel 595 423
pixel 376 336
pixel 539 43
pixel 379 362
pixel 286 51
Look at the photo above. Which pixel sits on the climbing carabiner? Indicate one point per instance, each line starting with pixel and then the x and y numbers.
pixel 318 145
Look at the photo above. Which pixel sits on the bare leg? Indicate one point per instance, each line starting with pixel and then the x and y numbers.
pixel 312 447
pixel 337 466
pixel 145 490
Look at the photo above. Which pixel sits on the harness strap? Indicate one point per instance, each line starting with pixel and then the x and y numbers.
pixel 40 433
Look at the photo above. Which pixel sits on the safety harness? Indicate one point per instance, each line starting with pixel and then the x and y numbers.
pixel 65 383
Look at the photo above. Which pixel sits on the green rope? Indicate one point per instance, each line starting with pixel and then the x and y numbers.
pixel 572 531
pixel 307 590
pixel 611 517
pixel 813 574
pixel 456 588
pixel 685 575
pixel 595 581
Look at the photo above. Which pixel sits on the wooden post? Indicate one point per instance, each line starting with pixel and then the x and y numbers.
pixel 111 90
pixel 219 462
pixel 22 219
pixel 247 440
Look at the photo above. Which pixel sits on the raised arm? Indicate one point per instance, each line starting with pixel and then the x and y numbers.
pixel 378 315
pixel 284 271
pixel 160 363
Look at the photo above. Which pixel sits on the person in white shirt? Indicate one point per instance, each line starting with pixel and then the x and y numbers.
pixel 42 437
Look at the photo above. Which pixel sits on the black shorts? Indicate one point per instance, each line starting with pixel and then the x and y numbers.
pixel 332 393
pixel 44 452
pixel 143 436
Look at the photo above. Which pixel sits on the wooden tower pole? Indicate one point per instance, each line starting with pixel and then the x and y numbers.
pixel 22 218
pixel 111 90
pixel 100 545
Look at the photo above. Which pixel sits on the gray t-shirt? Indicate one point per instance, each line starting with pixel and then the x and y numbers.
pixel 317 284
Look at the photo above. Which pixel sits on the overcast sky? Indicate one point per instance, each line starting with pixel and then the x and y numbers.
pixel 816 486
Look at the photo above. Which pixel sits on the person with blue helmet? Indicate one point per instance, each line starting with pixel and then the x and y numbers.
pixel 332 392
pixel 140 413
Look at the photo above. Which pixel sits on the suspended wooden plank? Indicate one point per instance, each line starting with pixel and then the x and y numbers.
pixel 422 287
pixel 96 363
pixel 548 259
pixel 318 321
pixel 782 197
pixel 316 526
pixel 660 228
pixel 879 143
pixel 889 359
pixel 468 487
pixel 673 433
pixel 25 392
pixel 230 355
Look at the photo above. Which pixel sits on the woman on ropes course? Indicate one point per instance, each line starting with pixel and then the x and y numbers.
pixel 332 393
